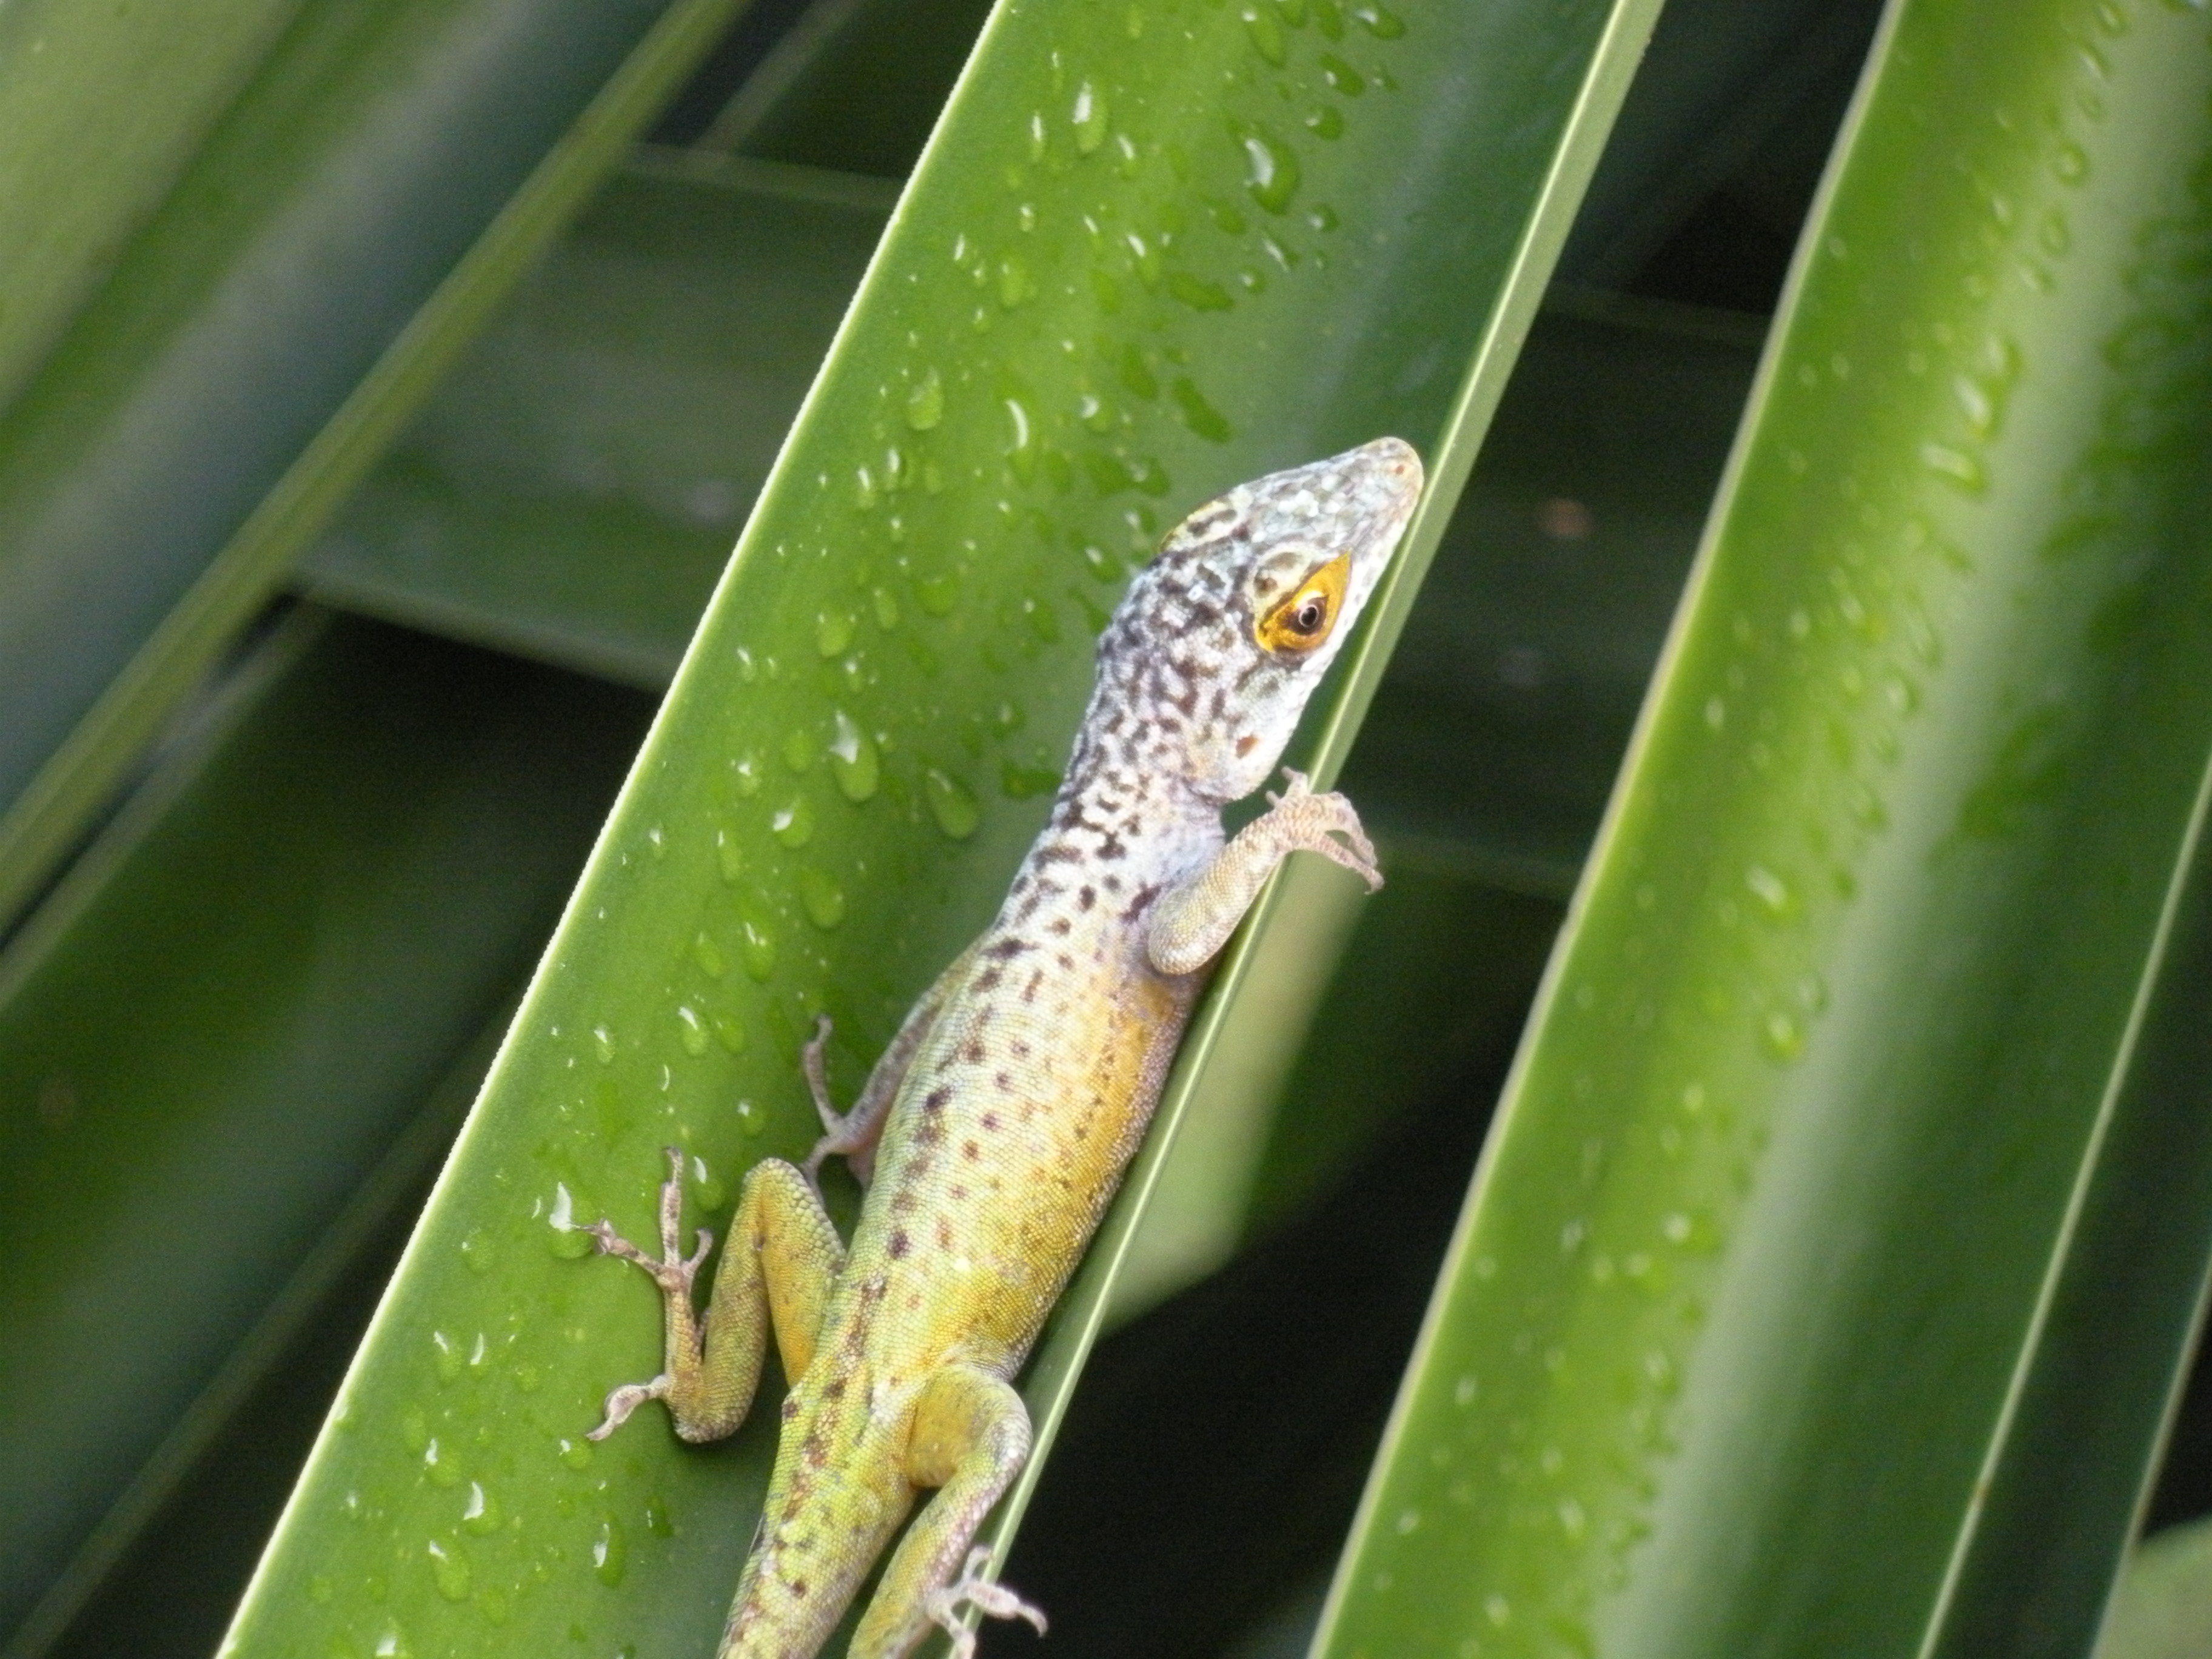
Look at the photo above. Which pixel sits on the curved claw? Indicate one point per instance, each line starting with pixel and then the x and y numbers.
pixel 811 1061
pixel 991 1599
pixel 622 1401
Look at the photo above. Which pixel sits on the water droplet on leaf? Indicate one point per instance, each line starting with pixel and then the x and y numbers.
pixel 822 898
pixel 951 804
pixel 925 401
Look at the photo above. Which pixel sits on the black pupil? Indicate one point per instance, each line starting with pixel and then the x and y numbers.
pixel 1307 617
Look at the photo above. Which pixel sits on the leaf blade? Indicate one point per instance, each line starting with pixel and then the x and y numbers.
pixel 1775 1124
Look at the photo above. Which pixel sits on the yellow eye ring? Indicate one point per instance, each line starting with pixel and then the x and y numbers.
pixel 1303 622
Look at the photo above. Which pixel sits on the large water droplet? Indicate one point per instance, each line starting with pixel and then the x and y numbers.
pixel 569 1239
pixel 793 824
pixel 1021 448
pixel 1272 171
pixel 1199 415
pixel 756 947
pixel 449 1355
pixel 1266 34
pixel 925 401
pixel 1342 77
pixel 610 1552
pixel 853 760
pixel 822 898
pixel 1199 294
pixel 483 1513
pixel 1090 120
pixel 1136 374
pixel 833 632
pixel 752 1116
pixel 441 1464
pixel 1380 21
pixel 951 804
pixel 479 1252
pixel 1770 890
pixel 692 1028
pixel 1783 1036
pixel 450 1569
pixel 708 955
pixel 1956 467
pixel 706 1187
pixel 1021 783
pixel 603 1045
pixel 728 857
pixel 938 593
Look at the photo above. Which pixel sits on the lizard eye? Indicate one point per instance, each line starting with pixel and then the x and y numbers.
pixel 1301 623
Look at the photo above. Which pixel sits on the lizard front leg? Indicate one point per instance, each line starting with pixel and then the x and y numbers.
pixel 970 1439
pixel 853 1135
pixel 1191 922
pixel 777 1270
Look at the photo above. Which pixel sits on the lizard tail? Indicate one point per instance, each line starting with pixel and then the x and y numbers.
pixel 821 1532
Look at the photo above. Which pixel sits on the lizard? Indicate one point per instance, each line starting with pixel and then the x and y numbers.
pixel 999 1122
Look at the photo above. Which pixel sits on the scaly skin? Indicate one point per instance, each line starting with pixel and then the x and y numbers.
pixel 999 1121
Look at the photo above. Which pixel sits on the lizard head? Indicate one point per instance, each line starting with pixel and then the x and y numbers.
pixel 1224 635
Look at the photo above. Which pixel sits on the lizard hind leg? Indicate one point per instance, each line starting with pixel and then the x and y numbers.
pixel 970 1439
pixel 782 1258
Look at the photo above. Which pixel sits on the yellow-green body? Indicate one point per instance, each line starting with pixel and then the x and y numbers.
pixel 998 1124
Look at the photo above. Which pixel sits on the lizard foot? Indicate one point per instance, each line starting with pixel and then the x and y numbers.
pixel 812 1062
pixel 622 1401
pixel 1321 820
pixel 671 1270
pixel 992 1601
pixel 843 1136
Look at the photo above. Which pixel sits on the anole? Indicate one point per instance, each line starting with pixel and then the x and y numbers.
pixel 999 1121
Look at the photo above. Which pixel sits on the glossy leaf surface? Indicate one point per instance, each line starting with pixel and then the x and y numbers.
pixel 1762 1276
pixel 2162 1608
pixel 1148 253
